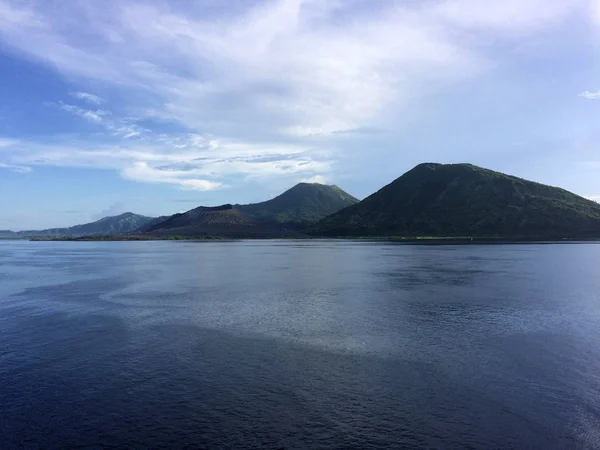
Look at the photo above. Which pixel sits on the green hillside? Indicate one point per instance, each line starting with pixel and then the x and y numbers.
pixel 304 204
pixel 465 200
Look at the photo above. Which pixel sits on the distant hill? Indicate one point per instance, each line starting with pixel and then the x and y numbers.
pixel 302 205
pixel 465 200
pixel 121 224
pixel 284 216
pixel 221 221
pixel 8 234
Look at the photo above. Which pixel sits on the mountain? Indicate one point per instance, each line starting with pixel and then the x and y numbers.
pixel 283 216
pixel 302 205
pixel 121 224
pixel 224 221
pixel 8 234
pixel 465 200
pixel 152 223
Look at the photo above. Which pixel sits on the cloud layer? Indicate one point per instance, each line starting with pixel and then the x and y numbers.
pixel 258 89
pixel 191 162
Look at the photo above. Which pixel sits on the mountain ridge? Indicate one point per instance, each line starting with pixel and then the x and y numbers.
pixel 454 200
pixel 301 205
pixel 431 200
pixel 283 216
pixel 120 224
pixel 225 221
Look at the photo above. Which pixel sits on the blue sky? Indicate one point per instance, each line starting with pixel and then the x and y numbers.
pixel 157 107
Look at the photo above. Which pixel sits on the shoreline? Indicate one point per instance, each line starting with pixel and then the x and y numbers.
pixel 425 240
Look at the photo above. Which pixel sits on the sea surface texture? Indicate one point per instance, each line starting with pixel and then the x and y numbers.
pixel 299 344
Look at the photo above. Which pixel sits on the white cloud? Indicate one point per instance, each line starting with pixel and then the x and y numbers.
pixel 14 168
pixel 591 95
pixel 261 76
pixel 97 116
pixel 7 142
pixel 595 198
pixel 189 161
pixel 127 131
pixel 141 171
pixel 86 96
pixel 115 126
pixel 287 67
pixel 507 16
pixel 595 10
pixel 316 179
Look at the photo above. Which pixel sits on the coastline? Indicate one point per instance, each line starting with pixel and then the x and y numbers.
pixel 420 240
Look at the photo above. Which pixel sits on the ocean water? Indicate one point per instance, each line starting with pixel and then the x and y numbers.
pixel 299 344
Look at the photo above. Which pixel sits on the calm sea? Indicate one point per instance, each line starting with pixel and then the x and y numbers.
pixel 299 344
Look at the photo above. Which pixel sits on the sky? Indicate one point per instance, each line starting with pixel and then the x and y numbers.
pixel 157 107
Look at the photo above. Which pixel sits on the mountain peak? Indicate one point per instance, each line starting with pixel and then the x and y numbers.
pixel 427 165
pixel 466 200
pixel 213 208
pixel 307 185
pixel 303 204
pixel 124 215
pixel 432 166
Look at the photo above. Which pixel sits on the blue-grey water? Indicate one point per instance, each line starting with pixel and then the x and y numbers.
pixel 307 344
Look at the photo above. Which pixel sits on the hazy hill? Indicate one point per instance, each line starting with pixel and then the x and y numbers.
pixel 220 221
pixel 304 204
pixel 121 224
pixel 465 200
pixel 8 234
